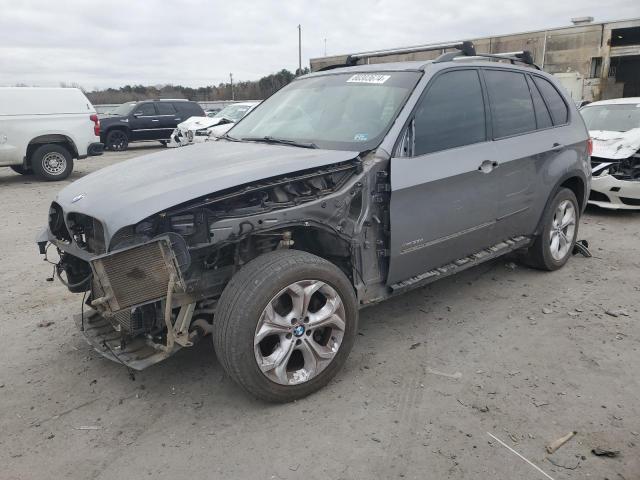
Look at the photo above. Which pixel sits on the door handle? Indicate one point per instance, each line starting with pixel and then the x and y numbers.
pixel 177 119
pixel 155 120
pixel 487 166
pixel 556 146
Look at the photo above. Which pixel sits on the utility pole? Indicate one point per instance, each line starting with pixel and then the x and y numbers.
pixel 299 49
pixel 233 96
pixel 325 47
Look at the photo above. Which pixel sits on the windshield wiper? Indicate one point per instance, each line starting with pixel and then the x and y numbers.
pixel 280 141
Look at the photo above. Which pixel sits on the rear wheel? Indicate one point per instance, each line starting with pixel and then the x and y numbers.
pixel 52 162
pixel 117 140
pixel 21 170
pixel 285 325
pixel 554 246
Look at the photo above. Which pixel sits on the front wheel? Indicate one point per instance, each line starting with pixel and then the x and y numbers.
pixel 554 246
pixel 285 325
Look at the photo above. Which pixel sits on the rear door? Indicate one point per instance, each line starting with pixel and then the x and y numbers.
pixel 525 141
pixel 144 122
pixel 167 115
pixel 443 187
pixel 519 148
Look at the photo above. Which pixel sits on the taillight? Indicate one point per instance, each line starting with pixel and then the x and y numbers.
pixel 96 124
pixel 589 146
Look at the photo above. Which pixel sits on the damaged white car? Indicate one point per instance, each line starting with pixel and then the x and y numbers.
pixel 614 126
pixel 202 129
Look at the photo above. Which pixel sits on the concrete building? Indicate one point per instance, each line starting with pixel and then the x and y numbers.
pixel 594 61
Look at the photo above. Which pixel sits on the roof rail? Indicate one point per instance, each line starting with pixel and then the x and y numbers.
pixel 465 48
pixel 523 56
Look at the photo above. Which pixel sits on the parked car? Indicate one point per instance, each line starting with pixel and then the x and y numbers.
pixel 212 112
pixel 42 130
pixel 146 120
pixel 614 126
pixel 343 189
pixel 201 129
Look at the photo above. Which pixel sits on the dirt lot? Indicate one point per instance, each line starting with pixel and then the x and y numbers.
pixel 431 373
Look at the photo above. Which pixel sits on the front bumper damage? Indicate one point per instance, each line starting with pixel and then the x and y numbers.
pixel 127 286
pixel 615 184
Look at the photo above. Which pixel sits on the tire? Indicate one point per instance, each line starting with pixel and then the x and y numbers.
pixel 21 170
pixel 117 140
pixel 248 299
pixel 542 254
pixel 52 162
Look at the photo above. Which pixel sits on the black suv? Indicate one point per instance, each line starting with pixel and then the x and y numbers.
pixel 146 120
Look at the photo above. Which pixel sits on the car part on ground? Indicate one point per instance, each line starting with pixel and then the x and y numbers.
pixel 614 126
pixel 339 192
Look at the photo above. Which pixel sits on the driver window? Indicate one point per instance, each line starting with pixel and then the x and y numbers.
pixel 451 114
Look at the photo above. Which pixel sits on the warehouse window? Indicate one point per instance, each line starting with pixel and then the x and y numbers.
pixel 451 114
pixel 596 67
pixel 511 106
pixel 621 37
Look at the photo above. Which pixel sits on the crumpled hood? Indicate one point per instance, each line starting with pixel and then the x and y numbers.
pixel 128 192
pixel 615 145
pixel 197 123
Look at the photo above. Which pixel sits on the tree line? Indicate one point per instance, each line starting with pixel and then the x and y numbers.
pixel 246 90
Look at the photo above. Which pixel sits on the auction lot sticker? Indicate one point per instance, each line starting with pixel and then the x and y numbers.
pixel 368 78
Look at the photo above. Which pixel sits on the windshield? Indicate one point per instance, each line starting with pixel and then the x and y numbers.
pixel 233 112
pixel 123 109
pixel 344 111
pixel 617 118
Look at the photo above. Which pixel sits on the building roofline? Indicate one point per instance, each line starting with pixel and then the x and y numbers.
pixel 426 45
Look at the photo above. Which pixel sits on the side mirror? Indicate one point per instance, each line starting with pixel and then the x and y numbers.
pixel 137 114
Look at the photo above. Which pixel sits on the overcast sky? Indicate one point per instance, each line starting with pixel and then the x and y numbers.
pixel 198 42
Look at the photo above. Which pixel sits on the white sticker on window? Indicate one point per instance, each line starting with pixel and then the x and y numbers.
pixel 368 78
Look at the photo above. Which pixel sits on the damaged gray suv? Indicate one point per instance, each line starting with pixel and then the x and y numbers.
pixel 343 189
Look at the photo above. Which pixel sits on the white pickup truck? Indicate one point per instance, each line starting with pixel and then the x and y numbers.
pixel 43 129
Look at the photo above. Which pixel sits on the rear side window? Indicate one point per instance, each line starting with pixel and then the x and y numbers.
pixel 511 106
pixel 190 108
pixel 451 114
pixel 543 119
pixel 146 109
pixel 165 108
pixel 556 105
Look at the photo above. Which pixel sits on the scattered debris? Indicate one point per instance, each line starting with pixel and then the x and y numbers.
pixel 550 460
pixel 546 310
pixel 555 445
pixel 581 247
pixel 541 404
pixel 511 265
pixel 45 324
pixel 523 458
pixel 483 409
pixel 611 313
pixel 376 439
pixel 88 427
pixel 415 345
pixel 455 376
pixel 605 452
pixel 294 468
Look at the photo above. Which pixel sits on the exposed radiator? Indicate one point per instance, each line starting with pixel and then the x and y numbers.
pixel 135 276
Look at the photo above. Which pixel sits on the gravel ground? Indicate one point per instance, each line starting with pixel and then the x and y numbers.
pixel 524 355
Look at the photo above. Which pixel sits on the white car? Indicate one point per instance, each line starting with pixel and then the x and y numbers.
pixel 614 126
pixel 43 129
pixel 202 129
